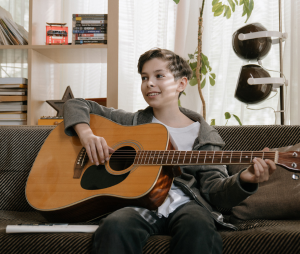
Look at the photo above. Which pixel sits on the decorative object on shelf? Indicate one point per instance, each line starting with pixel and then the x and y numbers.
pixel 58 104
pixel 253 43
pixel 50 120
pixel 11 33
pixel 89 29
pixel 56 34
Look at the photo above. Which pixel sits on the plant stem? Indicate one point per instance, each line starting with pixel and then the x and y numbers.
pixel 199 64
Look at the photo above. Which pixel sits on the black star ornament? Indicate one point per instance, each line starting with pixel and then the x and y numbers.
pixel 58 104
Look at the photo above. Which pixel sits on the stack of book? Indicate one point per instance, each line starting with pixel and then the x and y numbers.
pixel 89 29
pixel 13 101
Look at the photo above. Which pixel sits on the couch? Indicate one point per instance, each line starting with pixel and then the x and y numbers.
pixel 259 231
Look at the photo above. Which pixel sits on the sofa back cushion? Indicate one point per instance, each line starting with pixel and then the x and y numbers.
pixel 19 146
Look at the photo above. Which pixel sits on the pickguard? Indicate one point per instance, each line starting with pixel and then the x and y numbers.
pixel 96 178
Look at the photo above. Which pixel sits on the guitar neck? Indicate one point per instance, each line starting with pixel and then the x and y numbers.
pixel 173 157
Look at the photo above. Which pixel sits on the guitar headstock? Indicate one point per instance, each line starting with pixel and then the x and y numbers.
pixel 289 160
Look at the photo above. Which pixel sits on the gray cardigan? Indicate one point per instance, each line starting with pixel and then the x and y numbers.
pixel 209 185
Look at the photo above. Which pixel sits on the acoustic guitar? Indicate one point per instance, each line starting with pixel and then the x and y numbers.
pixel 66 187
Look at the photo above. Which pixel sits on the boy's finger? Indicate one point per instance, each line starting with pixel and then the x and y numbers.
pixel 94 153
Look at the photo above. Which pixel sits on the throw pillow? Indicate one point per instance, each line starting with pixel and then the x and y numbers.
pixel 278 198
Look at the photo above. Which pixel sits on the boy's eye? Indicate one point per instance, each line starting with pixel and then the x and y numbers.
pixel 159 76
pixel 144 78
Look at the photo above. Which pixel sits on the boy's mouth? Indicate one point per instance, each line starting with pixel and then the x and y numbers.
pixel 153 94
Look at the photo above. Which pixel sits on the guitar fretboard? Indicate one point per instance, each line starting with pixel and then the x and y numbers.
pixel 171 157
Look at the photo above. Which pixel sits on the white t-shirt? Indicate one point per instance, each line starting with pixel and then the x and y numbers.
pixel 181 139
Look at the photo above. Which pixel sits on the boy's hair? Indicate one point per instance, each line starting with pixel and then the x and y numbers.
pixel 176 64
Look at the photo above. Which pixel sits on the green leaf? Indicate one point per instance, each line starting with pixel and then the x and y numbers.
pixel 193 82
pixel 213 75
pixel 216 6
pixel 227 115
pixel 193 65
pixel 251 6
pixel 212 81
pixel 213 122
pixel 183 92
pixel 219 11
pixel 179 104
pixel 241 2
pixel 245 10
pixel 214 2
pixel 204 58
pixel 226 10
pixel 246 3
pixel 232 5
pixel 238 119
pixel 209 68
pixel 203 83
pixel 236 2
pixel 191 56
pixel 176 1
pixel 203 70
pixel 249 9
pixel 194 74
pixel 228 14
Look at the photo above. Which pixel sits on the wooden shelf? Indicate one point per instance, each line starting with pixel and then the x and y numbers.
pixel 45 61
pixel 72 53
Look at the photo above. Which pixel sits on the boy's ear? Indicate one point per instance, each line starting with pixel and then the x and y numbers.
pixel 182 83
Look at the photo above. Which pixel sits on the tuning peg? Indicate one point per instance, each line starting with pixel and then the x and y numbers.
pixel 295 177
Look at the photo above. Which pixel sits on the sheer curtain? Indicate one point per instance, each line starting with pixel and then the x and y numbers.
pixel 143 24
pixel 291 59
pixel 225 64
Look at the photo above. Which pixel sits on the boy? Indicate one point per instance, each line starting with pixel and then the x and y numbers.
pixel 186 214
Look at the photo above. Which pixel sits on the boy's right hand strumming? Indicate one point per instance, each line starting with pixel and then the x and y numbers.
pixel 96 147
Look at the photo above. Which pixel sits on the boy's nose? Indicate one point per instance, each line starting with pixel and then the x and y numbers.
pixel 150 83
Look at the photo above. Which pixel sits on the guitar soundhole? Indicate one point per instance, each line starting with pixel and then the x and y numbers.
pixel 122 158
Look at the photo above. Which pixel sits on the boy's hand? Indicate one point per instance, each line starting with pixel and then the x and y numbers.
pixel 259 171
pixel 96 147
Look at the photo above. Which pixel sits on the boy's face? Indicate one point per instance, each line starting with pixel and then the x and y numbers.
pixel 158 85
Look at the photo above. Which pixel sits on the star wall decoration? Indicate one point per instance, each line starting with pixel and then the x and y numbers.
pixel 58 104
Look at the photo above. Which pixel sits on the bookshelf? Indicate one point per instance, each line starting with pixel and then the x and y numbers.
pixel 44 61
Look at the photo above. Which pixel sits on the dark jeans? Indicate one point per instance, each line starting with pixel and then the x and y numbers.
pixel 127 230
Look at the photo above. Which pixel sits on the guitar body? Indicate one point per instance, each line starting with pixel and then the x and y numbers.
pixel 53 189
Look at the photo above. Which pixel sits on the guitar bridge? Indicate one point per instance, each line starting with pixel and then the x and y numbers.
pixel 80 162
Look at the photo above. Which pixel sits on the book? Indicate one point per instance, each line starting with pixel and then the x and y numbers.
pixel 99 27
pixel 13 81
pixel 90 18
pixel 13 115
pixel 90 21
pixel 14 91
pixel 13 122
pixel 88 15
pixel 103 35
pixel 91 41
pixel 90 37
pixel 103 31
pixel 13 98
pixel 10 32
pixel 12 106
pixel 13 86
pixel 87 25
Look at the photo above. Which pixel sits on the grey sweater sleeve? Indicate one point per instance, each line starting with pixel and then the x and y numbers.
pixel 79 110
pixel 223 190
